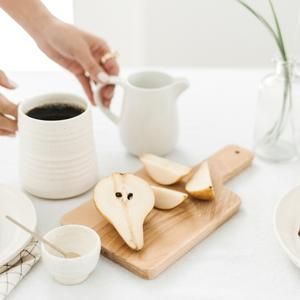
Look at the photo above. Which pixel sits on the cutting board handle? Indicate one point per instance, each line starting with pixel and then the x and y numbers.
pixel 230 161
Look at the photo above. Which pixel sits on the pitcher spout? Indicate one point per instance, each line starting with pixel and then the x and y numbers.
pixel 180 85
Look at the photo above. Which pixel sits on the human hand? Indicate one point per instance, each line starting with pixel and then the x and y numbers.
pixel 80 53
pixel 8 110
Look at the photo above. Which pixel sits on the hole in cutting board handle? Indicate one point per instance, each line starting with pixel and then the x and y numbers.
pixel 237 151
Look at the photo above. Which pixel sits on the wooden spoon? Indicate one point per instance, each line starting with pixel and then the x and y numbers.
pixel 41 239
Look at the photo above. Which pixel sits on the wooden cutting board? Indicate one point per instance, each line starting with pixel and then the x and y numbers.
pixel 170 234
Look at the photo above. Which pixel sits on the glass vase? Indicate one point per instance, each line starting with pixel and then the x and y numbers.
pixel 277 113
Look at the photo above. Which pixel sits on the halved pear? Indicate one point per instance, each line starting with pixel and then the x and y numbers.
pixel 162 170
pixel 166 198
pixel 200 185
pixel 125 200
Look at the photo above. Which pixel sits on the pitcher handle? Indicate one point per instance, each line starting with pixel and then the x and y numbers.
pixel 115 80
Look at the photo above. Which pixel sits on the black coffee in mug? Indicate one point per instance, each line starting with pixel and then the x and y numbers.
pixel 55 111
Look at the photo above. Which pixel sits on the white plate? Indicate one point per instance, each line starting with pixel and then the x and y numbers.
pixel 12 238
pixel 287 224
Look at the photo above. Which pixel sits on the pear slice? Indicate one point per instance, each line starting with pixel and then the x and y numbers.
pixel 166 198
pixel 125 200
pixel 200 185
pixel 163 171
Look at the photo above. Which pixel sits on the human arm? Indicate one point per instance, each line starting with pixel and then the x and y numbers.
pixel 75 50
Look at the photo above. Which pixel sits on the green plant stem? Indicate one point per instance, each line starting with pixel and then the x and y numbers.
pixel 286 105
pixel 274 133
pixel 266 24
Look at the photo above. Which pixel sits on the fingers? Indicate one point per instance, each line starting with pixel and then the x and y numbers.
pixel 6 133
pixel 8 116
pixel 75 67
pixel 6 82
pixel 88 62
pixel 7 107
pixel 111 67
pixel 89 58
pixel 86 85
pixel 107 93
pixel 93 68
pixel 7 124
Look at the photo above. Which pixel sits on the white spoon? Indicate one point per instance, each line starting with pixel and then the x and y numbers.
pixel 41 239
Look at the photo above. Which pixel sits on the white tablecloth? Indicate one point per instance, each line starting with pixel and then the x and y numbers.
pixel 241 260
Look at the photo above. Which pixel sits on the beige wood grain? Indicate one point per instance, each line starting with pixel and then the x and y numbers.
pixel 170 234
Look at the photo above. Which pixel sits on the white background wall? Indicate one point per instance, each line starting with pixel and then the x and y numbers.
pixel 210 33
pixel 197 33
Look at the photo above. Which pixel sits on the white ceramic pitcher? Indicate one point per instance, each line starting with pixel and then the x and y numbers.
pixel 149 120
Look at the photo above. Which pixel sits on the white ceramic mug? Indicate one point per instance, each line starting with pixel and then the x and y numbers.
pixel 57 159
pixel 149 120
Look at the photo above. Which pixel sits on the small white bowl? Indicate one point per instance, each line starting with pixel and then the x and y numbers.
pixel 71 238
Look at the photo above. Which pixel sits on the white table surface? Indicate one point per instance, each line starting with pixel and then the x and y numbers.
pixel 241 260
